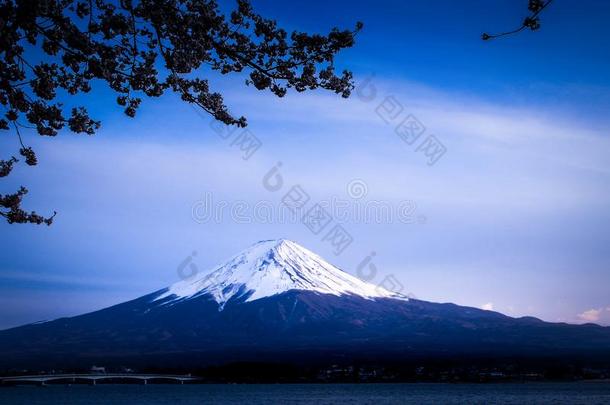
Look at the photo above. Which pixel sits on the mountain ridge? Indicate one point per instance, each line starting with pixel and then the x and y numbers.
pixel 224 323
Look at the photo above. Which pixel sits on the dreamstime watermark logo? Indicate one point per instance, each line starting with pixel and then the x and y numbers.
pixel 406 126
pixel 237 137
pixel 325 218
pixel 367 271
pixel 357 189
pixel 187 269
pixel 212 210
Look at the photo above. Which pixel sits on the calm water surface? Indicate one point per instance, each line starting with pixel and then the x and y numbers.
pixel 318 394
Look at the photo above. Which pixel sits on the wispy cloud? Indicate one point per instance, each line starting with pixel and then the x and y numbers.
pixel 76 280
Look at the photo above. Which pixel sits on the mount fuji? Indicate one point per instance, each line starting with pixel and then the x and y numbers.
pixel 269 268
pixel 277 301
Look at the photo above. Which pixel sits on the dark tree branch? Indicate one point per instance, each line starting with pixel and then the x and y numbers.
pixel 120 42
pixel 532 21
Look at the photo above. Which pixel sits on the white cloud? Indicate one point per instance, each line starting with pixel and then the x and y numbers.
pixel 488 306
pixel 591 315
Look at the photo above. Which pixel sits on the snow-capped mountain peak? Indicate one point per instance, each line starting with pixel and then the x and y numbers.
pixel 272 267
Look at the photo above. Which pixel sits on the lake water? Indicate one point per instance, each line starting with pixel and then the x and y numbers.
pixel 318 394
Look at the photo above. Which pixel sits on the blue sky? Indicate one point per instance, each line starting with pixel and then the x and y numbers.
pixel 513 217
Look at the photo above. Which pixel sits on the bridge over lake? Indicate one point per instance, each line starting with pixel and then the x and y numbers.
pixel 93 379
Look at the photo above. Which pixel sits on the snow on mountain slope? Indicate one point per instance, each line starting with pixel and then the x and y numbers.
pixel 272 267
